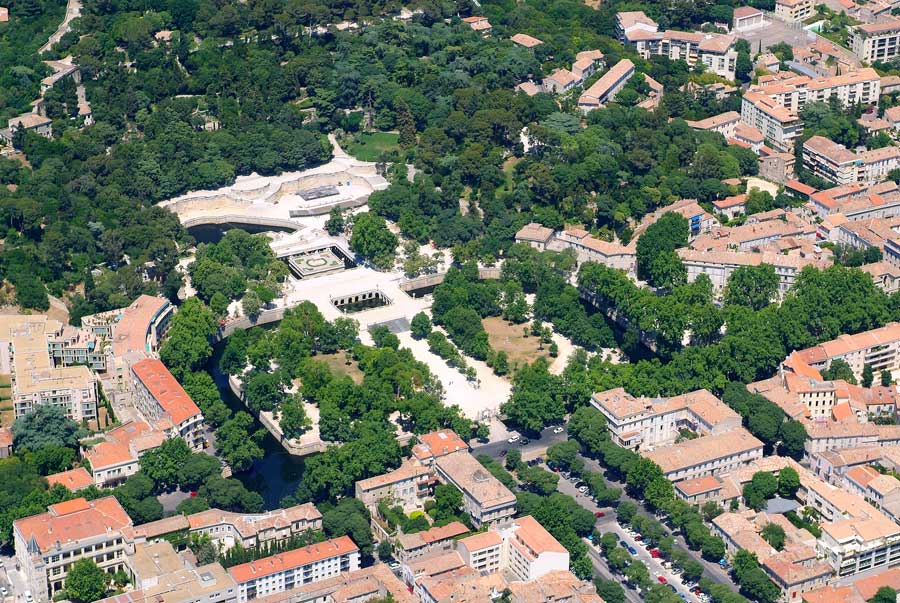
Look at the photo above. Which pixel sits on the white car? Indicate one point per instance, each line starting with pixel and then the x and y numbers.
pixel 557 430
pixel 3 591
pixel 28 597
pixel 513 439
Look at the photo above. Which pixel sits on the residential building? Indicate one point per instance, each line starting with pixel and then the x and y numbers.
pixel 648 423
pixel 485 499
pixel 478 24
pixel 606 88
pixel 436 444
pixel 731 207
pixel 535 235
pixel 715 51
pixel 116 457
pixel 779 125
pixel 858 590
pixel 834 162
pixel 47 545
pixel 164 404
pixel 707 455
pixel 428 542
pixel 523 548
pixel 793 10
pixel 747 18
pixel 858 201
pixel 407 486
pixel 252 530
pixel 878 348
pixel 284 571
pixel 878 41
pixel 633 21
pixel 32 122
pixel 161 575
pixel 719 265
pixel 560 81
pixel 25 343
pixel 723 123
pixel 73 479
pixel 373 583
pixel 885 275
pixel 6 442
pixel 590 249
pixel 858 544
pixel 526 40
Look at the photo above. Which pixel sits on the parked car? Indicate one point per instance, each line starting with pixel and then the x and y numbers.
pixel 632 550
pixel 599 514
pixel 28 597
pixel 583 489
pixel 662 580
pixel 557 430
pixel 3 591
pixel 654 553
pixel 638 537
pixel 513 439
pixel 525 441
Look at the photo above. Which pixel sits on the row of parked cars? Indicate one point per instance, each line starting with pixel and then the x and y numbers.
pixel 675 571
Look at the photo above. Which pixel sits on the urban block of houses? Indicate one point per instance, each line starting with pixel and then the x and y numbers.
pixel 857 590
pixel 27 350
pixel 518 556
pixel 706 455
pixel 885 275
pixel 444 459
pixel 758 231
pixel 857 201
pixel 427 542
pixel 562 80
pixel 835 163
pixel 719 265
pixel 116 457
pixel 878 348
pixel 649 423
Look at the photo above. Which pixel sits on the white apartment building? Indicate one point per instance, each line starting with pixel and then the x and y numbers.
pixel 295 568
pixel 523 547
pixel 164 404
pixel 25 343
pixel 779 125
pixel 708 455
pixel 630 23
pixel 835 163
pixel 116 458
pixel 793 10
pixel 646 423
pixel 876 41
pixel 859 544
pixel 485 499
pixel 251 530
pixel 715 51
pixel 878 348
pixel 48 544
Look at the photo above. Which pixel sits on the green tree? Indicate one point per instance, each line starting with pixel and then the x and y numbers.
pixel 665 235
pixel 192 505
pixel 839 369
pixel 406 125
pixel 774 535
pixel 294 421
pixel 45 425
pixel 385 550
pixel 372 240
pixel 164 463
pixel 187 348
pixel 85 582
pixel 788 482
pixel 610 591
pixel 885 594
pixel 420 325
pixel 868 375
pixel 752 286
pixel 886 378
pixel 335 223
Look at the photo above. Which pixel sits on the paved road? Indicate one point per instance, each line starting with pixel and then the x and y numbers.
pixel 532 449
pixel 711 570
pixel 73 10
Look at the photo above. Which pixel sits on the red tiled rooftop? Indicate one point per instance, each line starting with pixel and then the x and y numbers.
pixel 292 559
pixel 73 479
pixel 73 520
pixel 165 389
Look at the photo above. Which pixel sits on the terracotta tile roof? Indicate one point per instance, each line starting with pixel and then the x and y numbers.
pixel 699 485
pixel 130 332
pixel 292 559
pixel 526 40
pixel 432 535
pixel 72 521
pixel 73 479
pixel 165 389
pixel 115 449
pixel 691 453
pixel 6 438
pixel 742 12
pixel 478 542
pixel 536 537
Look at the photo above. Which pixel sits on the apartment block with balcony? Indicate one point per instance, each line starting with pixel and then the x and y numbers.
pixel 878 348
pixel 876 41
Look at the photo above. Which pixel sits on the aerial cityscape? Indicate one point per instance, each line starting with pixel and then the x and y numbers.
pixel 459 301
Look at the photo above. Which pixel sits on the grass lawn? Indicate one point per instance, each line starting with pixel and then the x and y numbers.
pixel 510 339
pixel 7 416
pixel 369 146
pixel 5 381
pixel 508 167
pixel 338 365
